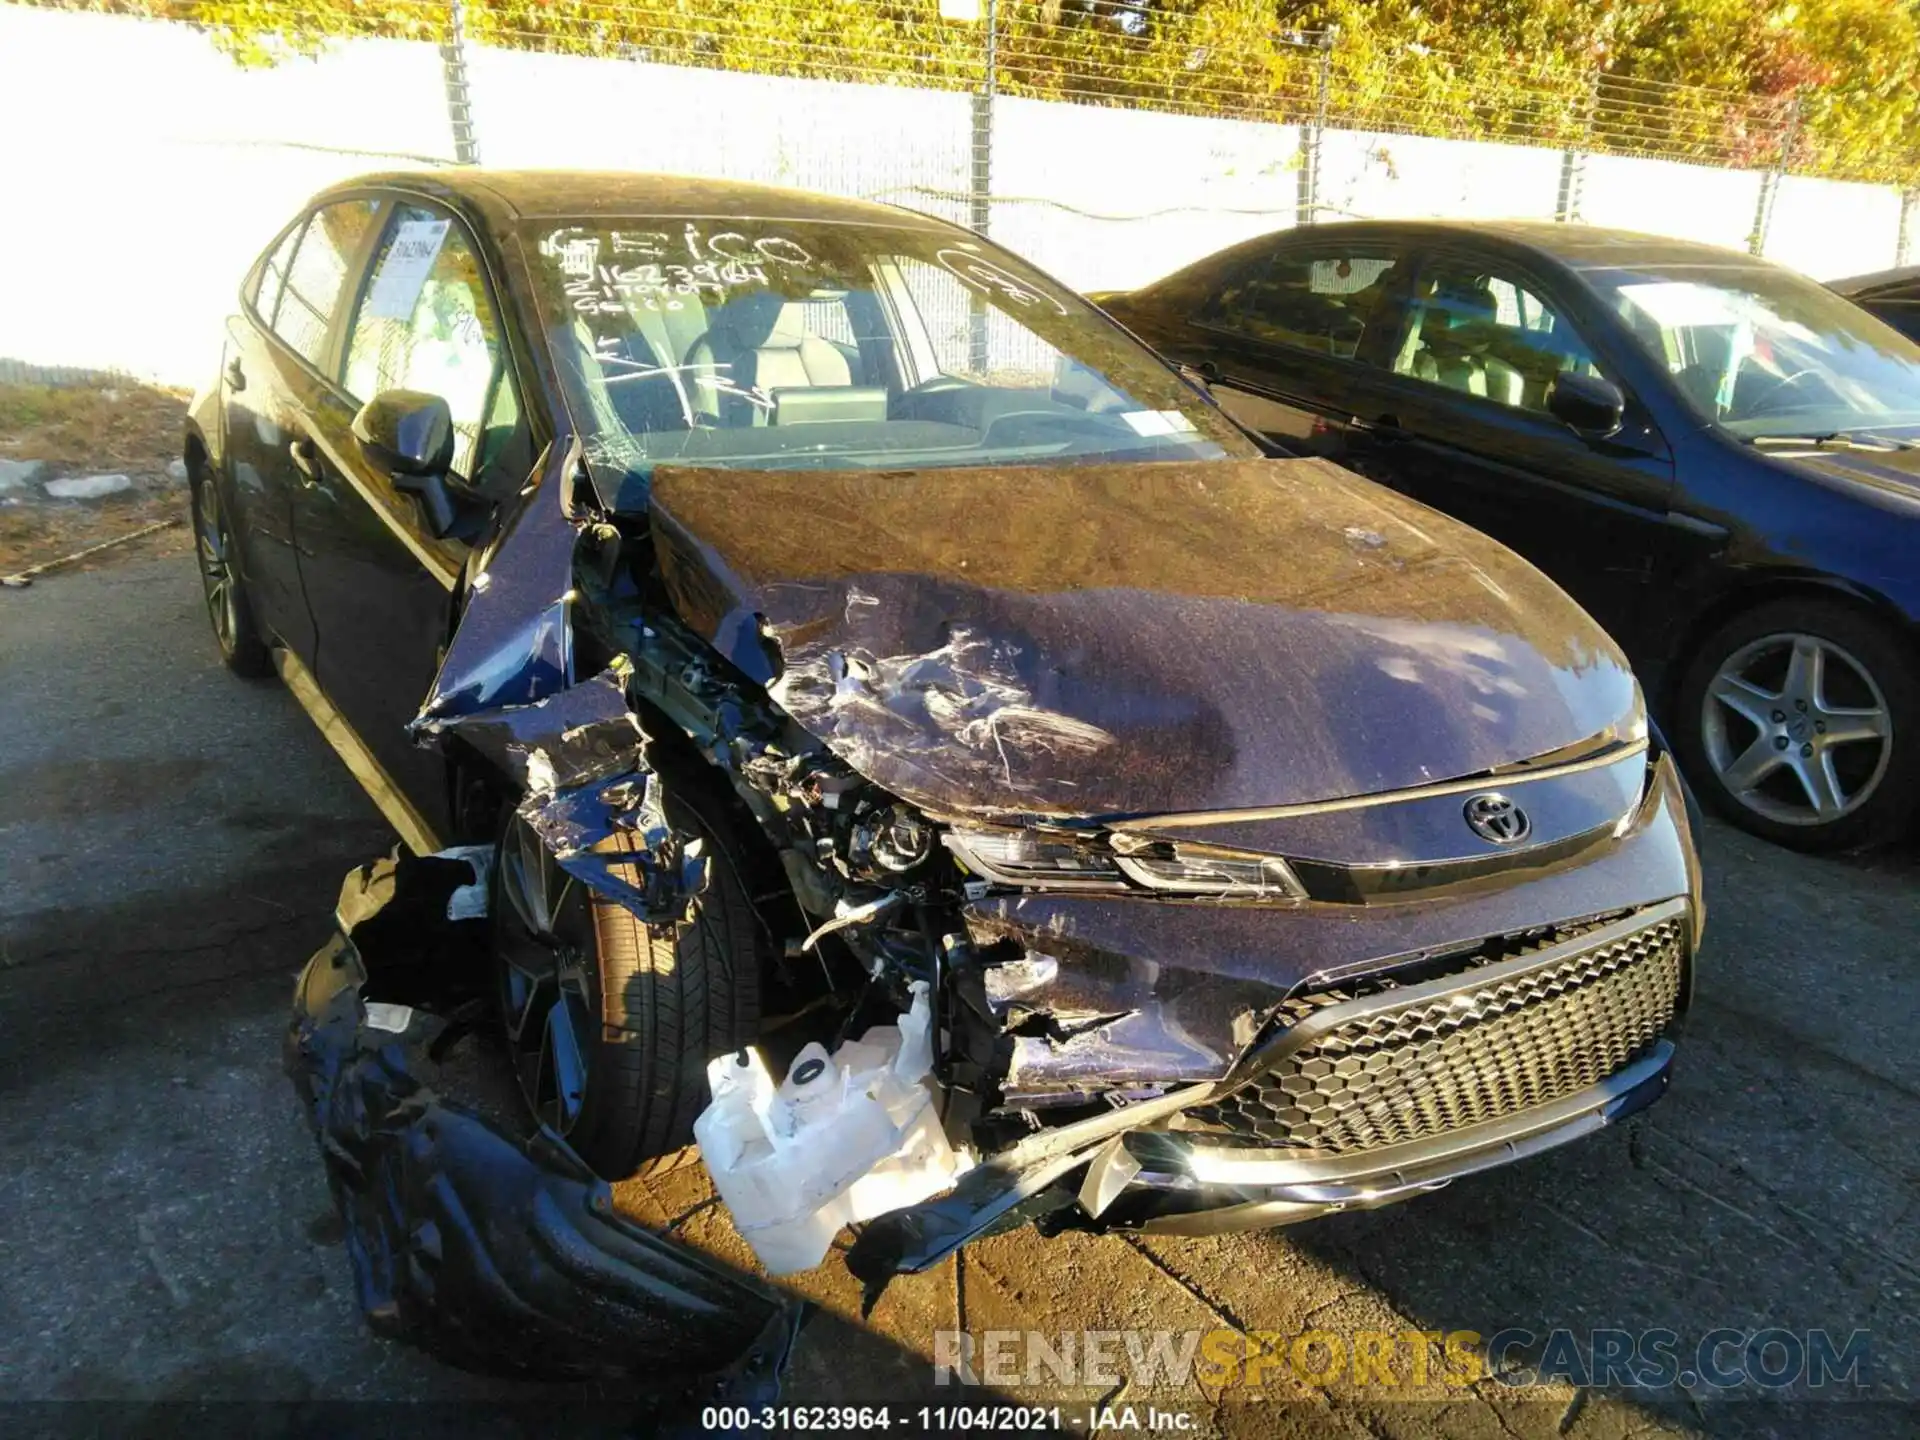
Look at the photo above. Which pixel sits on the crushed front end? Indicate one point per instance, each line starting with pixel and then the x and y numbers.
pixel 1216 1014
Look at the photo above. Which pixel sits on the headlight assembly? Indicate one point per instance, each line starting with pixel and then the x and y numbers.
pixel 1202 870
pixel 1033 857
pixel 1036 859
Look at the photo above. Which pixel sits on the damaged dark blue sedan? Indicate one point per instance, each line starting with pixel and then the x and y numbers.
pixel 783 602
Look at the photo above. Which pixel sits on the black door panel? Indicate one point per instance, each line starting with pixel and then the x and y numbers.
pixel 259 413
pixel 382 593
pixel 1595 522
pixel 1455 416
pixel 380 585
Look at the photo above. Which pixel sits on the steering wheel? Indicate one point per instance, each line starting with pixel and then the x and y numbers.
pixel 1763 402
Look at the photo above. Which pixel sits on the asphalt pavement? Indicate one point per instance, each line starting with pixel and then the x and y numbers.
pixel 171 841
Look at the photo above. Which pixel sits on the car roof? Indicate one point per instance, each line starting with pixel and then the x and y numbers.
pixel 1904 278
pixel 1573 246
pixel 507 196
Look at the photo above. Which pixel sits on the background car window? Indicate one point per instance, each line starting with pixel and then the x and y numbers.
pixel 425 323
pixel 1765 352
pixel 273 274
pixel 319 267
pixel 1484 335
pixel 1320 301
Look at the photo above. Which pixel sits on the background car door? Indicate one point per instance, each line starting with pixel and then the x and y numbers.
pixel 1279 336
pixel 380 584
pixel 1456 416
pixel 272 373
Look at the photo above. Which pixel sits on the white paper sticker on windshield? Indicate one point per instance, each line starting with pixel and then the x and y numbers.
pixel 1157 422
pixel 396 289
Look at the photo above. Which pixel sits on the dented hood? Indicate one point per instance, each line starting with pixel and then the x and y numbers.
pixel 1132 639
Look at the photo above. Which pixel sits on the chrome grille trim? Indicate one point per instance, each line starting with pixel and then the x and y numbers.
pixel 1406 1064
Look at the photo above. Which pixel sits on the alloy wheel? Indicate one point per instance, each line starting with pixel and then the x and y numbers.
pixel 1796 729
pixel 548 996
pixel 214 545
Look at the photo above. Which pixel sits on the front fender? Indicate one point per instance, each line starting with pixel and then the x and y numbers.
pixel 206 425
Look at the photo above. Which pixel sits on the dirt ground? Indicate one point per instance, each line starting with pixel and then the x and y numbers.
pixel 120 428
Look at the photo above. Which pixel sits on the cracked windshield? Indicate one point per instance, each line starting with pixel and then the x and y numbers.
pixel 789 345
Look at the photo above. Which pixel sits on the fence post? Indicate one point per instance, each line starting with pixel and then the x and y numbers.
pixel 1909 219
pixel 1307 200
pixel 1573 159
pixel 980 192
pixel 453 69
pixel 1770 180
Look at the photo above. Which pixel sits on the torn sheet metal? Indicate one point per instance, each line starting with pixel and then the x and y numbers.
pixel 578 734
pixel 656 872
pixel 513 644
pixel 492 1253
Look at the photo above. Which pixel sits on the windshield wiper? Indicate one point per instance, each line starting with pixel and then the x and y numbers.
pixel 1836 440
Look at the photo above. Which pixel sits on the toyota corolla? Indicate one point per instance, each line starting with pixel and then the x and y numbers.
pixel 787 602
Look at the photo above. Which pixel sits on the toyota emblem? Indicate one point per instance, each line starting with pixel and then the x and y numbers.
pixel 1497 820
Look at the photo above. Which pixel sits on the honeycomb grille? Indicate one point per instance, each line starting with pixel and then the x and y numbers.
pixel 1474 1054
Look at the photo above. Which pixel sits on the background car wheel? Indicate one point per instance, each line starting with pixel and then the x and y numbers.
pixel 610 1025
pixel 241 645
pixel 1799 720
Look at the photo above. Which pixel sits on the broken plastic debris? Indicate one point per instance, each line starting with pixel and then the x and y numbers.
pixel 846 1137
pixel 469 902
pixel 394 1019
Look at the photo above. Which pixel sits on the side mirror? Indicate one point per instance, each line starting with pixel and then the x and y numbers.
pixel 409 434
pixel 1586 404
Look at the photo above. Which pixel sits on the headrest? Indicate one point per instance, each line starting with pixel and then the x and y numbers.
pixel 1466 301
pixel 789 328
pixel 750 319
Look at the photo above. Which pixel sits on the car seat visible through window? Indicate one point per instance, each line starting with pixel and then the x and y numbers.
pixel 758 344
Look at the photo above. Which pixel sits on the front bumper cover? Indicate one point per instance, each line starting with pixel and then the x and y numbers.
pixel 1169 1184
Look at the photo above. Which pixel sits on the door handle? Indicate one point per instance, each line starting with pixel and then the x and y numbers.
pixel 1386 429
pixel 306 459
pixel 236 375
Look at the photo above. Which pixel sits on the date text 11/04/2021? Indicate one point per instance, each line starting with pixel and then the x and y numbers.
pixel 944 1419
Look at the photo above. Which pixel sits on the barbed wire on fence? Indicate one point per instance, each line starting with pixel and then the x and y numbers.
pixel 1227 62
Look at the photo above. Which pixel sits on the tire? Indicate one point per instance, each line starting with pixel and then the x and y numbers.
pixel 1760 739
pixel 646 1012
pixel 229 610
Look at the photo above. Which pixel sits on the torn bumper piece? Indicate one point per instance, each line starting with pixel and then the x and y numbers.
pixel 491 1253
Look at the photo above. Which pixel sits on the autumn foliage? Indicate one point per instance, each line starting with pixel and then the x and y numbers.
pixel 1830 86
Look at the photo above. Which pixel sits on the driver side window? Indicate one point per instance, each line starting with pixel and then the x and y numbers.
pixel 1320 299
pixel 424 322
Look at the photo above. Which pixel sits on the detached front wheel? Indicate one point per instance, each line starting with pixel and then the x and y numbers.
pixel 1800 721
pixel 611 1024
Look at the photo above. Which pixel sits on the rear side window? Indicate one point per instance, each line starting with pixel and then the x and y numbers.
pixel 1320 300
pixel 316 275
pixel 425 322
pixel 273 273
